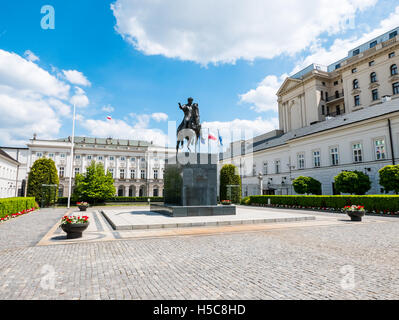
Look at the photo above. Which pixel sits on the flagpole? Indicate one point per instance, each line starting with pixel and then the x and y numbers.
pixel 209 146
pixel 70 169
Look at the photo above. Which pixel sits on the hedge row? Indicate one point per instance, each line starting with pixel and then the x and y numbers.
pixel 13 205
pixel 377 203
pixel 64 200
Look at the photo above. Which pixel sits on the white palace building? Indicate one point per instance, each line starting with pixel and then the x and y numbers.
pixel 331 118
pixel 137 166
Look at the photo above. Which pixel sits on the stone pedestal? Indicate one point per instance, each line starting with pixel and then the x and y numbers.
pixel 190 187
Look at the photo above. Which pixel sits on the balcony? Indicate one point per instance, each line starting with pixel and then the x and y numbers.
pixel 334 98
pixel 336 113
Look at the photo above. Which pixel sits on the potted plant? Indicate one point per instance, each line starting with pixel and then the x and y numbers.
pixel 74 226
pixel 82 205
pixel 355 212
pixel 226 202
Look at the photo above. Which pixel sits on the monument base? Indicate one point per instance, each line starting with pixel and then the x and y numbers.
pixel 193 211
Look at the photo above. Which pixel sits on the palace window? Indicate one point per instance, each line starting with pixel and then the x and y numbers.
pixel 62 155
pixel 371 63
pixel 334 156
pixel 132 174
pixel 322 95
pixel 301 161
pixel 395 88
pixel 380 149
pixel 123 158
pixel 316 159
pixel 77 171
pixel 100 158
pixel 354 70
pixel 254 169
pixel 357 100
pixel 322 110
pixel 62 172
pixel 111 171
pixel 39 154
pixel 277 164
pixel 89 157
pixel 77 157
pixel 357 152
pixel 265 168
pixel 391 55
pixel 374 94
pixel 121 173
pixel 356 52
pixel 142 174
pixel 51 155
pixel 394 70
pixel 355 84
pixel 133 159
pixel 111 158
pixel 393 34
pixel 155 174
pixel 373 77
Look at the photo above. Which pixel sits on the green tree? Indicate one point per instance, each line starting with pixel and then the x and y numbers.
pixel 306 185
pixel 353 182
pixel 389 178
pixel 300 185
pixel 229 176
pixel 42 172
pixel 94 185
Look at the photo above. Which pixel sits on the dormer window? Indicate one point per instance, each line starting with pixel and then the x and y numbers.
pixel 393 34
pixel 373 44
pixel 356 52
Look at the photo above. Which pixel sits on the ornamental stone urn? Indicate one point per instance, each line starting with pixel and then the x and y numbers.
pixel 74 230
pixel 356 215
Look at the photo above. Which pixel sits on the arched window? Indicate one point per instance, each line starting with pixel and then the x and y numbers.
pixel 394 69
pixel 355 84
pixel 373 77
pixel 121 191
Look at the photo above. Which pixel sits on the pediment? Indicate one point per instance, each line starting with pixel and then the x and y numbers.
pixel 288 84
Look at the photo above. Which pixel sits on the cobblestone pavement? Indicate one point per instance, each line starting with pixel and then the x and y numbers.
pixel 292 263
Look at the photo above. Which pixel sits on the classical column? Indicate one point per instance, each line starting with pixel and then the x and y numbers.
pixel 126 191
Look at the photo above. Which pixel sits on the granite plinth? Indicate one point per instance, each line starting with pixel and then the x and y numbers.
pixel 193 211
pixel 191 180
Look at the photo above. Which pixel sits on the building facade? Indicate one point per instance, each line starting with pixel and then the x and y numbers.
pixel 331 118
pixel 8 175
pixel 136 166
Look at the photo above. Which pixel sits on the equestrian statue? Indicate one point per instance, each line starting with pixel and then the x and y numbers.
pixel 190 128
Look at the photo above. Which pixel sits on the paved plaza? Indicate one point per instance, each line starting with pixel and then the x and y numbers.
pixel 310 259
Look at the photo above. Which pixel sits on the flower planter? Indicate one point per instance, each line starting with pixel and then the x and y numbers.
pixel 82 208
pixel 356 215
pixel 74 230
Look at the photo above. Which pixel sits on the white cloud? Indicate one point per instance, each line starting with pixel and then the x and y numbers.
pixel 223 31
pixel 121 129
pixel 79 98
pixel 233 130
pixel 108 108
pixel 29 55
pixel 31 100
pixel 20 74
pixel 76 77
pixel 340 47
pixel 159 116
pixel 263 98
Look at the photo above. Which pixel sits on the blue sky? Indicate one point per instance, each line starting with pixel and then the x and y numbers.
pixel 212 53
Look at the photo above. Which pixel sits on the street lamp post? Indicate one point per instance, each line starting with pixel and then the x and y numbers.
pixel 260 177
pixel 71 164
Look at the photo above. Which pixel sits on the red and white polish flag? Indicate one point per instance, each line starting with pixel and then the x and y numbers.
pixel 109 118
pixel 211 137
